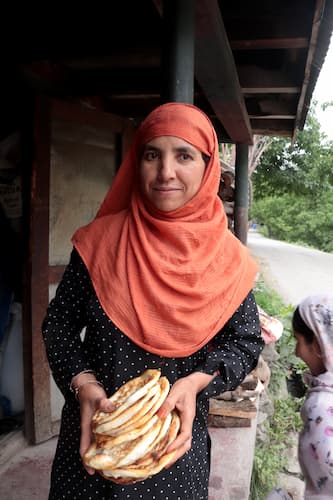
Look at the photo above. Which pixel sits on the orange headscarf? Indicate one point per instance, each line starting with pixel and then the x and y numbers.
pixel 168 280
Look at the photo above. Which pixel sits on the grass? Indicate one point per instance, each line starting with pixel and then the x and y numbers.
pixel 270 459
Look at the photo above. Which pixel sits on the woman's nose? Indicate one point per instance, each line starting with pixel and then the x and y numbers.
pixel 166 169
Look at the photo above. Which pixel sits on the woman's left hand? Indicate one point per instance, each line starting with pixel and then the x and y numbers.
pixel 182 398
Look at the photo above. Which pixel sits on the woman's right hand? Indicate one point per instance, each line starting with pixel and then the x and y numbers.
pixel 92 397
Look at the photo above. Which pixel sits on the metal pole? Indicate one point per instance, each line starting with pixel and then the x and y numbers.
pixel 241 192
pixel 178 51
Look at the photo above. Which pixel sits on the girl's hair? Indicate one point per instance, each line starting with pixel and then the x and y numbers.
pixel 301 327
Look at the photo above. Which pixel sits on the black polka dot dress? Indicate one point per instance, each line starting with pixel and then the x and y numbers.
pixel 115 359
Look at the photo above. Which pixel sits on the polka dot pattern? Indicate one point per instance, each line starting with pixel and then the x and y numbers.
pixel 115 359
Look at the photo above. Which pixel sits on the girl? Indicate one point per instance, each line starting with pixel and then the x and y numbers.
pixel 313 329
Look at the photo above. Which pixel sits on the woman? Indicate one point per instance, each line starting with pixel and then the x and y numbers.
pixel 159 282
pixel 313 330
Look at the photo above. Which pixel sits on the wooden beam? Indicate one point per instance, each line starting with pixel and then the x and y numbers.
pixel 270 43
pixel 305 95
pixel 133 57
pixel 271 90
pixel 134 96
pixel 270 81
pixel 283 128
pixel 272 117
pixel 216 72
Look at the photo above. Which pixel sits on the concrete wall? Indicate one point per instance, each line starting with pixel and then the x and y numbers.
pixel 82 169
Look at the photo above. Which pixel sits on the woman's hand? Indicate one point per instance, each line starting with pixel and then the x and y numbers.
pixel 182 397
pixel 92 397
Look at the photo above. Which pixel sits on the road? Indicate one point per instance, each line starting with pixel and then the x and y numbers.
pixel 291 270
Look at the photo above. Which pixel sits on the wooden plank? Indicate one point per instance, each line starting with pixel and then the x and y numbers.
pixel 225 422
pixel 311 65
pixel 270 43
pixel 255 79
pixel 240 409
pixel 39 245
pixel 217 74
pixel 272 117
pixel 271 89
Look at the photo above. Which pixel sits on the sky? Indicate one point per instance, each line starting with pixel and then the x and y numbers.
pixel 323 92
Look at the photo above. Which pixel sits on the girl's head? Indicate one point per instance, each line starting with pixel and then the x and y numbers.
pixel 313 329
pixel 307 346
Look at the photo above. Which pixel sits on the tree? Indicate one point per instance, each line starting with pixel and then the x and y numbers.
pixel 305 167
pixel 293 188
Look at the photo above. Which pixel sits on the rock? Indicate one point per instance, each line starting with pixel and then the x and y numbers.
pixel 269 353
pixel 293 485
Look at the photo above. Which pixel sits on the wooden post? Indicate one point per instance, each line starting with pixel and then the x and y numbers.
pixel 241 192
pixel 37 376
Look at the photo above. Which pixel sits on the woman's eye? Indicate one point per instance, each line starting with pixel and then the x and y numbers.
pixel 185 156
pixel 150 155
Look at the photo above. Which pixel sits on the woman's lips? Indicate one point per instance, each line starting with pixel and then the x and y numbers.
pixel 167 190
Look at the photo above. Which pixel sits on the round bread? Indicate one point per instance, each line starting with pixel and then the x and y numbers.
pixel 130 474
pixel 104 441
pixel 128 394
pixel 132 416
pixel 131 442
pixel 124 453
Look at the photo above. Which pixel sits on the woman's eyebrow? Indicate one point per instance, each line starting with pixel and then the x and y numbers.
pixel 179 149
pixel 185 149
pixel 149 147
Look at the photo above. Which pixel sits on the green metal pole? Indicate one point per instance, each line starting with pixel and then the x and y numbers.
pixel 178 51
pixel 241 192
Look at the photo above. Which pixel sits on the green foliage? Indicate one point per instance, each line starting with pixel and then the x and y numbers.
pixel 268 300
pixel 293 189
pixel 302 168
pixel 270 458
pixel 303 220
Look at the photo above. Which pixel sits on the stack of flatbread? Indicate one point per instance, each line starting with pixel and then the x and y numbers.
pixel 131 442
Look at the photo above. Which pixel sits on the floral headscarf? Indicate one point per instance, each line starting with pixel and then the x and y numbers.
pixel 317 313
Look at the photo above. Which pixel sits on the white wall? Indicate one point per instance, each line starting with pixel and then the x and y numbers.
pixel 82 169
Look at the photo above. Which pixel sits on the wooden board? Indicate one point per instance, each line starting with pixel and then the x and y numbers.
pixel 239 409
pixel 224 422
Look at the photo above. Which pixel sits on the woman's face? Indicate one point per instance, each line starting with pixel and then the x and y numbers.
pixel 171 172
pixel 310 353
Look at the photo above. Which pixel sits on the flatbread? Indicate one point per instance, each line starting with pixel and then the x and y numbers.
pixel 104 441
pixel 125 475
pixel 136 415
pixel 127 412
pixel 131 442
pixel 124 453
pixel 162 445
pixel 128 394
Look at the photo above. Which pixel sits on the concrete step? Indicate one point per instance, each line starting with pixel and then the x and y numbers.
pixel 231 462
